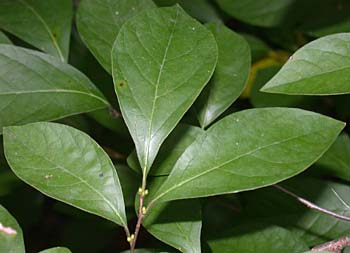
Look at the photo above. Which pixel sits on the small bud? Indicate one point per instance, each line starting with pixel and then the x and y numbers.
pixel 145 192
pixel 144 210
pixel 130 238
pixel 140 191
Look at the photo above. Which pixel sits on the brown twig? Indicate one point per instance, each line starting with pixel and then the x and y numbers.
pixel 312 205
pixel 335 246
pixel 139 221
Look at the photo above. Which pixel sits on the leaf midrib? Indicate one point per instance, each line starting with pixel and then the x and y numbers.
pixel 54 41
pixel 149 132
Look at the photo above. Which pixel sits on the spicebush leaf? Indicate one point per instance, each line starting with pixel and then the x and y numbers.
pixel 35 86
pixel 4 39
pixel 44 24
pixel 159 74
pixel 248 150
pixel 56 250
pixel 10 243
pixel 321 67
pixel 336 161
pixel 265 13
pixel 66 164
pixel 177 223
pixel 99 22
pixel 255 239
pixel 229 78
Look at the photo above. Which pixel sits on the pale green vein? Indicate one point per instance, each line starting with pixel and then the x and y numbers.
pixel 54 91
pixel 156 93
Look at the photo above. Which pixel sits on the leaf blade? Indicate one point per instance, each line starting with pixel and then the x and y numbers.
pixel 164 79
pixel 12 243
pixel 44 24
pixel 250 152
pixel 321 67
pixel 89 24
pixel 29 94
pixel 50 158
pixel 230 76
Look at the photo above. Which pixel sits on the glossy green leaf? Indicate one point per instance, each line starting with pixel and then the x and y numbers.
pixel 321 67
pixel 159 74
pixel 11 237
pixel 56 250
pixel 265 13
pixel 172 148
pixel 44 24
pixel 66 164
pixel 336 161
pixel 229 78
pixel 248 150
pixel 275 207
pixel 255 239
pixel 35 86
pixel 4 39
pixel 99 22
pixel 177 223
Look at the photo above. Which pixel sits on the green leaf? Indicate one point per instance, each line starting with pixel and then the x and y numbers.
pixel 248 150
pixel 336 161
pixel 66 164
pixel 4 39
pixel 264 13
pixel 256 239
pixel 321 67
pixel 172 148
pixel 159 74
pixel 11 237
pixel 38 87
pixel 44 24
pixel 99 22
pixel 177 223
pixel 275 207
pixel 229 78
pixel 56 250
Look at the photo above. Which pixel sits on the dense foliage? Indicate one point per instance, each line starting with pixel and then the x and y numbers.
pixel 174 126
